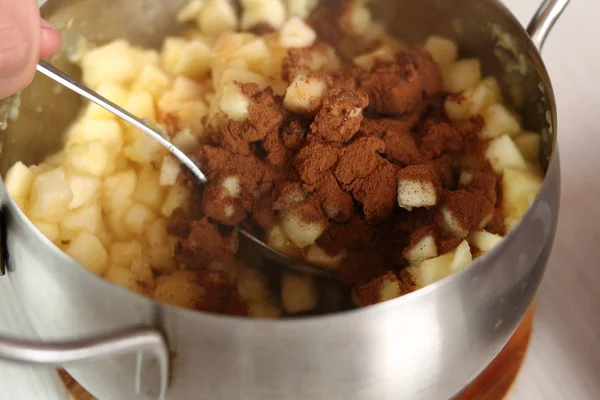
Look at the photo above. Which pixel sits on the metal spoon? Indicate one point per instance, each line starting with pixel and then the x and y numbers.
pixel 146 127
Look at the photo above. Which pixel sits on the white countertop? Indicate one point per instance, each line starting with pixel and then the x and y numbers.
pixel 564 357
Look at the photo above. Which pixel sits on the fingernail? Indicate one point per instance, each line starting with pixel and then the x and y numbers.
pixel 47 25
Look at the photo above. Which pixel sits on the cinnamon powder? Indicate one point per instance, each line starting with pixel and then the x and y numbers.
pixel 340 168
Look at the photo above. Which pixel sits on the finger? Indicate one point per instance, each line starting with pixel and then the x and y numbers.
pixel 49 41
pixel 19 44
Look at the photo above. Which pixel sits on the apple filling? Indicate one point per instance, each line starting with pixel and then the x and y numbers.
pixel 395 166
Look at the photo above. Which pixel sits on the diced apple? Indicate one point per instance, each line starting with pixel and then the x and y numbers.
pixel 529 144
pixel 148 190
pixel 424 249
pixel 368 60
pixel 87 250
pixel 118 188
pixel 90 158
pixel 473 101
pixel 296 33
pixel 48 229
pixel 138 218
pixel 142 57
pixel 233 102
pixel 232 185
pixel 115 221
pixel 85 189
pixel 179 289
pixel 124 278
pixel 50 196
pixel 462 257
pixel 169 171
pixel 156 235
pixel 187 89
pixel 267 12
pixel 144 150
pixel 443 50
pixel 298 293
pixel 190 12
pixel 462 75
pixel 499 121
pixel 141 104
pixel 389 288
pixel 255 53
pixel 263 310
pixel 140 266
pixel 484 240
pixel 502 153
pixel 87 218
pixel 171 53
pixel 432 270
pixel 300 8
pixel 216 17
pixel 519 188
pixel 316 255
pixel 177 196
pixel 305 94
pixel 194 61
pixel 18 180
pixel 161 259
pixel 186 141
pixel 115 93
pixel 104 233
pixel 300 232
pixel 152 80
pixel 109 63
pixel 252 286
pixel 189 114
pixel 123 253
pixel 277 239
pixel 107 132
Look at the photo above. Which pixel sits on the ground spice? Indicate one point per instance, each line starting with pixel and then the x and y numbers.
pixel 340 116
pixel 439 138
pixel 377 192
pixel 469 207
pixel 314 160
pixel 359 160
pixel 340 168
pixel 400 87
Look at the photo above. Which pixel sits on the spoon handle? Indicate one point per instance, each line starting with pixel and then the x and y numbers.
pixel 61 78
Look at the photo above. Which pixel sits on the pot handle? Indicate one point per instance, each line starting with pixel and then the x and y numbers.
pixel 57 354
pixel 542 22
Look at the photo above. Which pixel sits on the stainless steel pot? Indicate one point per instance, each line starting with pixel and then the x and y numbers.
pixel 426 345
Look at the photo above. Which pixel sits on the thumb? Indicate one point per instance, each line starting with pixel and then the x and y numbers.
pixel 20 34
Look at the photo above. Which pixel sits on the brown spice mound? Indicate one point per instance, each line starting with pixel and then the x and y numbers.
pixel 340 116
pixel 315 159
pixel 203 245
pixel 265 116
pixel 401 87
pixel 336 203
pixel 340 168
pixel 440 138
pixel 377 192
pixel 370 293
pixel 359 160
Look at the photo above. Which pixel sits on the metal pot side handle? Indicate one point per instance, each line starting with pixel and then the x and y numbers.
pixel 542 22
pixel 151 340
pixel 56 354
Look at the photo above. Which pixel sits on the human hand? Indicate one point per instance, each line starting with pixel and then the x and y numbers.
pixel 24 39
